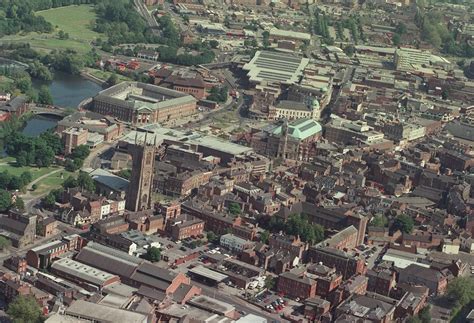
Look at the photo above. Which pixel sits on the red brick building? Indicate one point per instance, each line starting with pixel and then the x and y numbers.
pixel 170 210
pixel 16 264
pixel 184 227
pixel 194 86
pixel 47 227
pixel 296 285
pixel 345 263
pixel 381 281
pixel 43 255
pixel 292 244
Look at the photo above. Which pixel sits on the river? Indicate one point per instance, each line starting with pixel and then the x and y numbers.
pixel 69 90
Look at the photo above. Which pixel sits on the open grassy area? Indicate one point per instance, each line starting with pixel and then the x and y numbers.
pixel 51 182
pixel 104 75
pixel 77 21
pixel 7 159
pixel 35 172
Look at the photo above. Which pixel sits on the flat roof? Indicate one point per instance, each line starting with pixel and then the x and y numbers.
pixel 251 318
pixel 82 271
pixel 208 273
pixel 211 304
pixel 108 179
pixel 273 67
pixel 290 34
pixel 103 313
pixel 300 128
pixel 190 138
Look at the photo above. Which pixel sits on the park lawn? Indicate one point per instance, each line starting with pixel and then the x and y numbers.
pixel 7 159
pixel 35 172
pixel 51 182
pixel 104 75
pixel 47 42
pixel 77 21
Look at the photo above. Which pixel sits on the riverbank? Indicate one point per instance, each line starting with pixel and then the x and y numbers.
pixel 85 74
pixel 14 124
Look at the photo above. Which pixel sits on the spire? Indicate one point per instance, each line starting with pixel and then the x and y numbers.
pixel 146 142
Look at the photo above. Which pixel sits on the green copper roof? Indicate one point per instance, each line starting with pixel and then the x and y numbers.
pixel 301 128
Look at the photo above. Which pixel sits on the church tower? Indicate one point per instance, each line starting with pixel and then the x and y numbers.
pixel 141 181
pixel 283 146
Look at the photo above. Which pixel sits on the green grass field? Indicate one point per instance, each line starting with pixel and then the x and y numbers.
pixel 35 172
pixel 104 75
pixel 51 182
pixel 77 21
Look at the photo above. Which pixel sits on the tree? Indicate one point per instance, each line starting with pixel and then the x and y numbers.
pixel 153 254
pixel 4 243
pixel 25 309
pixel 213 43
pixel 414 319
pixel 349 50
pixel 125 173
pixel 234 208
pixel 264 236
pixel 396 39
pixel 5 200
pixel 113 79
pixel 403 223
pixel 445 94
pixel 19 203
pixel 44 96
pixel 425 315
pixel 401 28
pixel 461 291
pixel 70 182
pixel 85 182
pixel 63 35
pixel 379 221
pixel 218 94
pixel 52 197
pixel 212 237
pixel 266 39
pixel 269 282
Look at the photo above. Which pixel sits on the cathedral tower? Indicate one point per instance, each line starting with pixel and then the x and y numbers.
pixel 141 182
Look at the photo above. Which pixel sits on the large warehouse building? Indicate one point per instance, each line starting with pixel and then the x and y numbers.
pixel 140 103
pixel 269 70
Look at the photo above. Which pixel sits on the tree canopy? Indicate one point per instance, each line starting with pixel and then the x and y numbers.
pixel 25 309
pixel 218 94
pixel 234 208
pixel 404 223
pixel 5 200
pixel 4 243
pixel 83 181
pixel 298 225
pixel 39 151
pixel 153 254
